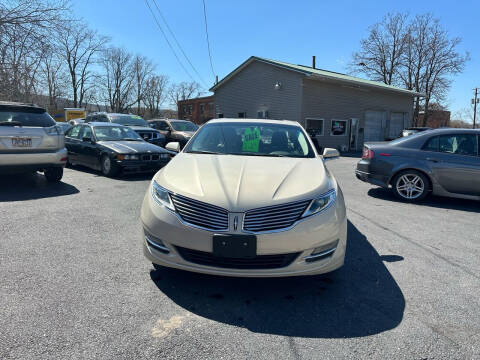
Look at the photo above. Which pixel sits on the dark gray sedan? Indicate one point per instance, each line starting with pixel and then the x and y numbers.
pixel 444 162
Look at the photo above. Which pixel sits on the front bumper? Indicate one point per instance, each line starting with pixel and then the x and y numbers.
pixel 33 161
pixel 308 234
pixel 139 166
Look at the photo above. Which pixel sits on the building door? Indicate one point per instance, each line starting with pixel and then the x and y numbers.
pixel 374 124
pixel 396 125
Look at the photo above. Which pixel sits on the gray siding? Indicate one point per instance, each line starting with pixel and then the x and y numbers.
pixel 329 101
pixel 252 90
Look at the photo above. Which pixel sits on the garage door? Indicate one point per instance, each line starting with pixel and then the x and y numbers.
pixel 396 125
pixel 373 126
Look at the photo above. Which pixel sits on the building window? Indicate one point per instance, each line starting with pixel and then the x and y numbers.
pixel 315 127
pixel 220 115
pixel 263 114
pixel 212 108
pixel 202 109
pixel 184 109
pixel 242 115
pixel 190 107
pixel 339 128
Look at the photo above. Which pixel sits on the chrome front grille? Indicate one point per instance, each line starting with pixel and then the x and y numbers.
pixel 200 214
pixel 153 157
pixel 275 217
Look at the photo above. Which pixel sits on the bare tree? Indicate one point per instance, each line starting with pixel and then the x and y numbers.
pixel 37 13
pixel 79 48
pixel 418 54
pixel 380 53
pixel 143 68
pixel 442 62
pixel 464 117
pixel 118 79
pixel 24 26
pixel 55 76
pixel 155 93
pixel 184 91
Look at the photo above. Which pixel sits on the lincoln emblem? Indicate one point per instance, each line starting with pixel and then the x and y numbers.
pixel 235 222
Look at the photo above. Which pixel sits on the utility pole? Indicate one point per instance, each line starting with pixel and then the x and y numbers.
pixel 475 101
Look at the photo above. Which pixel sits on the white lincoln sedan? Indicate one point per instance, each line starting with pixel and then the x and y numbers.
pixel 246 198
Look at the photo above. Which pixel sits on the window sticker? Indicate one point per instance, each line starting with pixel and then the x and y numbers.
pixel 251 139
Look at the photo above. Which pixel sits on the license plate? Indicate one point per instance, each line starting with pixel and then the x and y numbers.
pixel 21 142
pixel 235 246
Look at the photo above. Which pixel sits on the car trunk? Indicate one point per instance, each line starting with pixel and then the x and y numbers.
pixel 26 139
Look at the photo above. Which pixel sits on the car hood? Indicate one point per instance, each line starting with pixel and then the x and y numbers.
pixel 132 147
pixel 239 183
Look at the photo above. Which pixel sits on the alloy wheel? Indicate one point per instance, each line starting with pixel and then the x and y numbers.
pixel 106 164
pixel 410 186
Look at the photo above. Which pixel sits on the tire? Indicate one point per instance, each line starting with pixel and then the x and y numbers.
pixel 109 168
pixel 411 186
pixel 54 174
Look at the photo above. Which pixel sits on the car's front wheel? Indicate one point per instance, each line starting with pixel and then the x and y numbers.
pixel 54 174
pixel 410 186
pixel 109 168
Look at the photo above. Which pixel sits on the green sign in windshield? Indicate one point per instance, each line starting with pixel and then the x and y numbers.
pixel 251 139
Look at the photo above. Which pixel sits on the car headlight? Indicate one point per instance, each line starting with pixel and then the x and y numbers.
pixel 161 196
pixel 321 203
pixel 127 157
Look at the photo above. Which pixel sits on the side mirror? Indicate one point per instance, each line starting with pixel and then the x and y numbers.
pixel 173 146
pixel 329 153
pixel 88 139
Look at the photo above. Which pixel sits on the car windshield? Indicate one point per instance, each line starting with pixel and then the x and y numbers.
pixel 132 120
pixel 253 139
pixel 27 117
pixel 183 126
pixel 115 133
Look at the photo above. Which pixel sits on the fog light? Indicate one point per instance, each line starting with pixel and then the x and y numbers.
pixel 322 252
pixel 156 243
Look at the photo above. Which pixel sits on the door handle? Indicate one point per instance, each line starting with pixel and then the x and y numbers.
pixel 433 160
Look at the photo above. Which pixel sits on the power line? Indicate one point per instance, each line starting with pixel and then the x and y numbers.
pixel 178 44
pixel 208 40
pixel 168 42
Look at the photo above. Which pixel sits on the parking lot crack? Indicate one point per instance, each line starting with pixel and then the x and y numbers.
pixel 411 241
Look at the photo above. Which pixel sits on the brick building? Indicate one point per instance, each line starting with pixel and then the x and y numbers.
pixel 198 110
pixel 436 118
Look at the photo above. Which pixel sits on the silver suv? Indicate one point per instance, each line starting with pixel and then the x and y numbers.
pixel 30 141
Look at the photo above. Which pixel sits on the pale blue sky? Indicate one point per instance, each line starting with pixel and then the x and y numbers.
pixel 290 31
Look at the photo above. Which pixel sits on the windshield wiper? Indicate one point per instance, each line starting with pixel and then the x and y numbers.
pixel 257 154
pixel 204 152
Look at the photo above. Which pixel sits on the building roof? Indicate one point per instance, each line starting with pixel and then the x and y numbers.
pixel 206 98
pixel 317 74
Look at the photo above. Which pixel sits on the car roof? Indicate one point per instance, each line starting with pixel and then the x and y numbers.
pixel 110 113
pixel 451 130
pixel 260 121
pixel 102 123
pixel 19 104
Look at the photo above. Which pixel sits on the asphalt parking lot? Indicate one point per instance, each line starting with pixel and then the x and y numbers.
pixel 74 283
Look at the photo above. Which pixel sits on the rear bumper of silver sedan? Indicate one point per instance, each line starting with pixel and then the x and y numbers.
pixel 33 160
